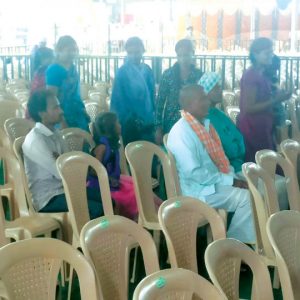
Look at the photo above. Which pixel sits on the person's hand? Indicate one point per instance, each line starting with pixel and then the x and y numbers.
pixel 240 184
pixel 281 96
pixel 159 136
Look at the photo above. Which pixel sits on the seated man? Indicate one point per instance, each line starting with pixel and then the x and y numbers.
pixel 231 138
pixel 204 170
pixel 42 145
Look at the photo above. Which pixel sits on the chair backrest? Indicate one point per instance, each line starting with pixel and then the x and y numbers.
pixel 4 140
pixel 106 242
pixel 177 191
pixel 93 109
pixel 17 147
pixel 293 106
pixel 179 218
pixel 14 177
pixel 79 163
pixel 76 139
pixel 223 261
pixel 229 98
pixel 9 109
pixel 176 284
pixel 284 233
pixel 264 203
pixel 29 269
pixel 16 127
pixel 140 156
pixel 232 112
pixel 291 151
pixel 269 160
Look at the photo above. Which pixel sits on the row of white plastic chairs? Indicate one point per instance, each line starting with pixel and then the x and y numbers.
pixel 29 269
pixel 139 147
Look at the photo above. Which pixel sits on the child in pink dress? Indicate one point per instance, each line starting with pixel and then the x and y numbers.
pixel 106 133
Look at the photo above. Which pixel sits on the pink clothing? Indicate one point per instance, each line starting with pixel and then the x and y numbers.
pixel 125 198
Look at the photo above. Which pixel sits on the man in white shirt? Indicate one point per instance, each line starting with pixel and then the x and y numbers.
pixel 203 174
pixel 42 145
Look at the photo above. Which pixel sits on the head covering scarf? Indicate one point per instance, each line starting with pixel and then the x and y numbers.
pixel 208 81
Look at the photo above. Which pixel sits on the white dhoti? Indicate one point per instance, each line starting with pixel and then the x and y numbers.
pixel 237 201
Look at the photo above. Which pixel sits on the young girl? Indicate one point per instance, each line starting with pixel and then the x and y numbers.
pixel 106 132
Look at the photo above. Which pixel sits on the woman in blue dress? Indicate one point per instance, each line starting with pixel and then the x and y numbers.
pixel 62 78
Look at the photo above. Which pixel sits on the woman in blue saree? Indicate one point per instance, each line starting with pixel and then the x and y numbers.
pixel 62 78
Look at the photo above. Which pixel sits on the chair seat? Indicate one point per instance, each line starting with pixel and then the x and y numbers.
pixel 33 225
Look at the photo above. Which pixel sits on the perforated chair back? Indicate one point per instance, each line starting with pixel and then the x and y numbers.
pixel 223 262
pixel 77 139
pixel 264 203
pixel 79 163
pixel 140 156
pixel 17 127
pixel 9 109
pixel 176 284
pixel 284 233
pixel 179 218
pixel 106 242
pixel 29 269
pixel 269 160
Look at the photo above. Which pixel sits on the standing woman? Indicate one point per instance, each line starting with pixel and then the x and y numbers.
pixel 182 73
pixel 62 78
pixel 256 118
pixel 132 96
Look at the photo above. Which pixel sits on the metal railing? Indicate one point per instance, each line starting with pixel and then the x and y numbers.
pixel 103 68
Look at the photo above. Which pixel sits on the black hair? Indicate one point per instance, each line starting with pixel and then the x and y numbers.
pixel 272 71
pixel 259 45
pixel 184 43
pixel 38 102
pixel 63 42
pixel 134 41
pixel 105 125
pixel 42 54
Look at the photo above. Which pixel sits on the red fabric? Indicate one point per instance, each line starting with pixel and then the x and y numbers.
pixel 211 142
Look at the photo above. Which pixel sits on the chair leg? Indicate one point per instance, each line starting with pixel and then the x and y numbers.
pixel 70 283
pixel 156 238
pixel 276 281
pixel 132 280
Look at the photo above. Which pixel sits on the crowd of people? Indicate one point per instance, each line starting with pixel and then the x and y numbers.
pixel 209 149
